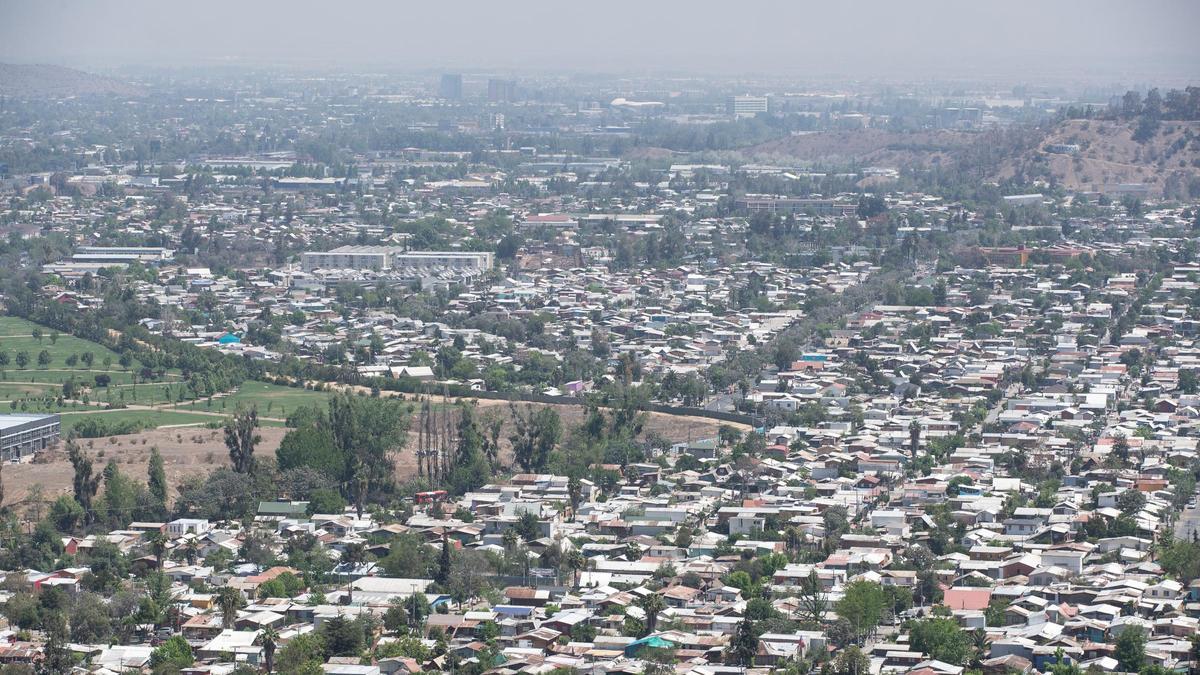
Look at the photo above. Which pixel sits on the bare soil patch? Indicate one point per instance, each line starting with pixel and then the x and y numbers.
pixel 186 451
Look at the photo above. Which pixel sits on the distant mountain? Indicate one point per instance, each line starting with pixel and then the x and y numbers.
pixel 38 81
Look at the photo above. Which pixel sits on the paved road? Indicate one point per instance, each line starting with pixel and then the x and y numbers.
pixel 1188 523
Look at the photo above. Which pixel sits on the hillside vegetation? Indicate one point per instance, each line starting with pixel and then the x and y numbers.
pixel 864 146
pixel 1168 160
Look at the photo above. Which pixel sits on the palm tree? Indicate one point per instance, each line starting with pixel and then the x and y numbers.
pixel 270 637
pixel 229 600
pixel 980 645
pixel 914 436
pixel 652 604
pixel 576 562
pixel 792 538
pixel 191 550
pixel 158 546
pixel 574 494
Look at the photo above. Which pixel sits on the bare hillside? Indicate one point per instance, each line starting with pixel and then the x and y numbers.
pixel 1108 155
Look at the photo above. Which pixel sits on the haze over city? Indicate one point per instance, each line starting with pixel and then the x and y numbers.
pixel 1105 40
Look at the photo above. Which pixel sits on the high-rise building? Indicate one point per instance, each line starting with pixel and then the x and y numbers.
pixel 451 86
pixel 747 106
pixel 502 91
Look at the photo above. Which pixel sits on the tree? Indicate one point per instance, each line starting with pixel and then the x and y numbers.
pixel 940 638
pixel 417 608
pixel 445 561
pixel 241 435
pixel 1130 651
pixel 85 483
pixel 527 526
pixel 343 637
pixel 44 358
pixel 1188 383
pixel 301 652
pixel 89 619
pixel 574 494
pixel 175 651
pixel 467 577
pixel 269 638
pixel 326 501
pixel 862 605
pixel 158 546
pixel 156 477
pixel 366 431
pixel 56 657
pixel 576 562
pixel 229 601
pixel 311 445
pixel 408 558
pixel 743 646
pixel 22 359
pixel 191 550
pixel 852 661
pixel 534 435
pixel 652 605
pixel 813 605
pixel 1131 501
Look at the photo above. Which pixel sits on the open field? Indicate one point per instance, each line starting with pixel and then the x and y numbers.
pixel 186 452
pixel 272 400
pixel 16 335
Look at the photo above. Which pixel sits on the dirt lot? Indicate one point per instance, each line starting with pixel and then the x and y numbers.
pixel 185 452
pixel 190 451
pixel 674 428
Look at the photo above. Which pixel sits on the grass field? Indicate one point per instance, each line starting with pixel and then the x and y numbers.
pixel 16 335
pixel 272 400
pixel 149 418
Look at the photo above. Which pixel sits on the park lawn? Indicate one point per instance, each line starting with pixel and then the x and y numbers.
pixel 272 400
pixel 9 392
pixel 147 393
pixel 16 335
pixel 58 375
pixel 150 418
pixel 13 325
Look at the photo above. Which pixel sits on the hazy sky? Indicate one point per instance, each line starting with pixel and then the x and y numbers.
pixel 1097 40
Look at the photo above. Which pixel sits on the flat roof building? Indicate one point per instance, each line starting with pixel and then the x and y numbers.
pixel 121 254
pixel 817 207
pixel 748 106
pixel 25 434
pixel 395 259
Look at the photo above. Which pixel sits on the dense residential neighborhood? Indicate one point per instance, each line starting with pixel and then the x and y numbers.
pixel 367 371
